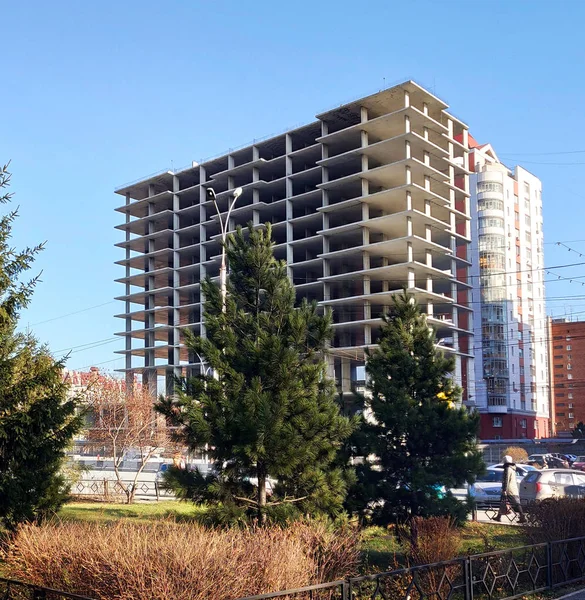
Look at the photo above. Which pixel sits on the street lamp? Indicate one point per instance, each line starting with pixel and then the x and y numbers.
pixel 210 192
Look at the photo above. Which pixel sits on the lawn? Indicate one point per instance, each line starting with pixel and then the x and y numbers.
pixel 98 512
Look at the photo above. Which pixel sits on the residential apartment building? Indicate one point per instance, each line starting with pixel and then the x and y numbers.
pixel 567 360
pixel 370 197
pixel 509 323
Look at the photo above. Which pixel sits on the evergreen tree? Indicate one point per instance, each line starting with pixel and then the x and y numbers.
pixel 37 421
pixel 414 435
pixel 269 412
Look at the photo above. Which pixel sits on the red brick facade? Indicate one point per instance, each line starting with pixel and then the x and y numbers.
pixel 567 360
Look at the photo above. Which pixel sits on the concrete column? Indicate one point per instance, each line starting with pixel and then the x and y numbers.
pixel 409 201
pixel 425 108
pixel 367 334
pixel 406 98
pixel 406 124
pixel 345 375
pixel 407 149
pixel 202 238
pixel 409 252
pixel 363 114
pixel 365 162
pixel 176 282
pixel 411 280
pixel 365 187
pixel 128 320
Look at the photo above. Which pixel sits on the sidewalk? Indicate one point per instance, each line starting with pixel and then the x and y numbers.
pixel 578 595
pixel 486 516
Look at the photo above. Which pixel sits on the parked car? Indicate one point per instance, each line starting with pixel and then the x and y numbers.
pixel 521 468
pixel 579 464
pixel 568 458
pixel 487 489
pixel 540 459
pixel 552 483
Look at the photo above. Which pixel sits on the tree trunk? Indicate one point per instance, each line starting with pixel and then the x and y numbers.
pixel 261 497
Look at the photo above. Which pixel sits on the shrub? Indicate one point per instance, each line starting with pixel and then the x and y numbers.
pixel 126 561
pixel 519 455
pixel 556 519
pixel 430 540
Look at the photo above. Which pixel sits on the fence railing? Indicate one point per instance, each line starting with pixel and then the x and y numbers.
pixel 500 575
pixel 112 489
pixel 18 590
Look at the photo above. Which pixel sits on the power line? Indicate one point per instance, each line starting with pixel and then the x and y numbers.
pixel 541 153
pixel 73 313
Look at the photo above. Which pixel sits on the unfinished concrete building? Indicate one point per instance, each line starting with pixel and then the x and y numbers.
pixel 371 197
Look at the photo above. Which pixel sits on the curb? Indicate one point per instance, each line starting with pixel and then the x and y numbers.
pixel 571 594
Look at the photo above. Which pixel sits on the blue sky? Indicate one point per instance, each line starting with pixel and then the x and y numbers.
pixel 95 94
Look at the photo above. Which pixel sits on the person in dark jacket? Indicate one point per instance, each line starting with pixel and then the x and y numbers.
pixel 510 493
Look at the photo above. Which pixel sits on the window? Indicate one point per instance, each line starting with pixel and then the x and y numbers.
pixel 497 422
pixel 523 423
pixel 571 416
pixel 490 186
pixel 570 405
pixel 570 395
pixel 564 478
pixel 568 346
pixel 569 367
pixel 570 376
pixel 558 366
pixel 490 204
pixel 491 222
pixel 568 338
pixel 569 357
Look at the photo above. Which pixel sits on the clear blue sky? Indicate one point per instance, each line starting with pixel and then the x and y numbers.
pixel 95 94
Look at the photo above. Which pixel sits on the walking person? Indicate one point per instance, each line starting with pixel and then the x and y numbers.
pixel 510 493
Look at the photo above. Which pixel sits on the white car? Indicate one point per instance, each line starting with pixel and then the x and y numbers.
pixel 487 489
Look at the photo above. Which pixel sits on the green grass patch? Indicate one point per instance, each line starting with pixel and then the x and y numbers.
pixel 381 550
pixel 97 512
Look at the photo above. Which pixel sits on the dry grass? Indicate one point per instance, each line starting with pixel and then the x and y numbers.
pixel 127 561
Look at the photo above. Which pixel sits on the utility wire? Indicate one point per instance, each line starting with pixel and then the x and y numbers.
pixel 73 313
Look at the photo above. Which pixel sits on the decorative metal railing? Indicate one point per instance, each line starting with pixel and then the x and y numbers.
pixel 17 590
pixel 500 575
pixel 111 489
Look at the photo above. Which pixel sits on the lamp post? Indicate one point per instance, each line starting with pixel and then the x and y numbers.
pixel 210 192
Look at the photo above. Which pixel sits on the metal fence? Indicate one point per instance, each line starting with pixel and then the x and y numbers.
pixel 17 590
pixel 111 489
pixel 501 575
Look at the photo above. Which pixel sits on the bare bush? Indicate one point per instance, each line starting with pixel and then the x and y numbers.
pixel 169 561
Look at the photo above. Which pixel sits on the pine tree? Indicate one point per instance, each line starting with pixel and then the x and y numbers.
pixel 415 435
pixel 37 421
pixel 269 412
